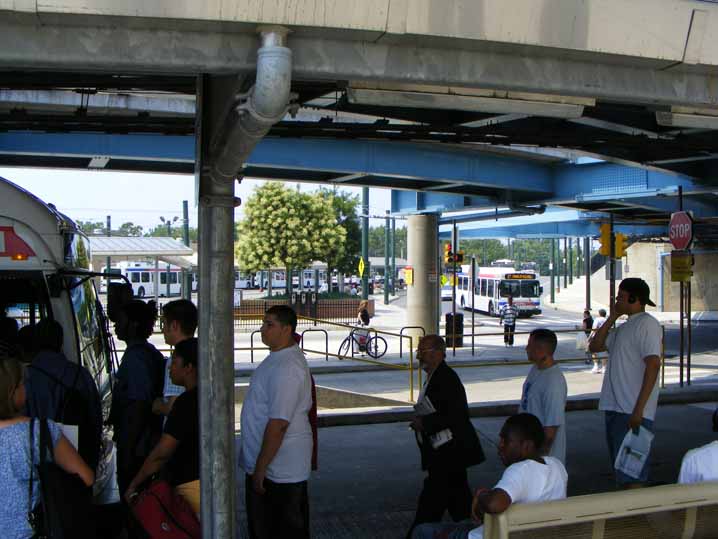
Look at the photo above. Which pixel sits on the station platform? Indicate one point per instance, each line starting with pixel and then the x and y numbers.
pixel 369 476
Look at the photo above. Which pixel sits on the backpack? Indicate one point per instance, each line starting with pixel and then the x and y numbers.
pixel 74 410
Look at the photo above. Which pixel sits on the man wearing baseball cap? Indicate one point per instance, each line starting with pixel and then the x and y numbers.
pixel 629 395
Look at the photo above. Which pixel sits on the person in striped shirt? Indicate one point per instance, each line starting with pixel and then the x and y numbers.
pixel 509 313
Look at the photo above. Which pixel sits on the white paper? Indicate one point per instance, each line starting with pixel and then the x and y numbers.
pixel 72 433
pixel 425 407
pixel 633 452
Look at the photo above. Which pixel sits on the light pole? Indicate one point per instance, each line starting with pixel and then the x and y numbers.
pixel 168 222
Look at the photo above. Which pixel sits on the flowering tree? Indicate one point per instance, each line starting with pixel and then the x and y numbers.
pixel 286 228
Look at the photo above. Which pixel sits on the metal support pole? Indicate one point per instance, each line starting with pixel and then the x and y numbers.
pixel 587 269
pixel 108 261
pixel 552 268
pixel 387 274
pixel 565 263
pixel 681 298
pixel 186 275
pixel 570 261
pixel 689 329
pixel 393 257
pixel 365 241
pixel 216 337
pixel 156 281
pixel 473 295
pixel 612 267
pixel 454 249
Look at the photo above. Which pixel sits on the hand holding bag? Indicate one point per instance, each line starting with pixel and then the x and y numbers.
pixel 165 514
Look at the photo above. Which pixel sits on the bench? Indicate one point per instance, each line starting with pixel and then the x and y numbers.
pixel 668 511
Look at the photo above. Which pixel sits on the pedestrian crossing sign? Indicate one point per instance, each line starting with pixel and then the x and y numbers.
pixel 444 280
pixel 361 266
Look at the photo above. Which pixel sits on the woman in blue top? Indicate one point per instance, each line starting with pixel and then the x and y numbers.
pixel 15 450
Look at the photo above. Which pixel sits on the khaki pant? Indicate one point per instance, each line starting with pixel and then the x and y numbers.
pixel 190 492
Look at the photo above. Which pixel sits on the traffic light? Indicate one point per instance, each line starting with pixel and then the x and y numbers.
pixel 621 245
pixel 459 257
pixel 448 255
pixel 605 240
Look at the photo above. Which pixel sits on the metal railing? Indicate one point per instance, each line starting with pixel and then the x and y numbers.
pixel 326 340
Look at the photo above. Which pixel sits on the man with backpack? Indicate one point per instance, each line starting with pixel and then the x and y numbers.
pixel 64 391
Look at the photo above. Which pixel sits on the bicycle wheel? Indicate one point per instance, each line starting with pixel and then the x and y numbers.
pixel 344 348
pixel 376 347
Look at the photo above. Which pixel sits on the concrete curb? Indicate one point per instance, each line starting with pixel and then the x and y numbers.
pixel 685 395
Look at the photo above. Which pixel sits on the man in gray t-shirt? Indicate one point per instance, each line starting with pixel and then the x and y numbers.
pixel 544 392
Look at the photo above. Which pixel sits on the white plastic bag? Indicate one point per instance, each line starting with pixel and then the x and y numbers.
pixel 634 450
pixel 581 341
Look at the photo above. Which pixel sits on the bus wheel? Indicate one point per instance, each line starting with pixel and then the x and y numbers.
pixel 492 312
pixel 141 292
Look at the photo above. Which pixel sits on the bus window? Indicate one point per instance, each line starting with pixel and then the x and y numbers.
pixel 491 288
pixel 530 289
pixel 135 277
pixel 510 288
pixel 92 352
pixel 145 276
pixel 173 277
pixel 464 283
pixel 483 287
pixel 163 278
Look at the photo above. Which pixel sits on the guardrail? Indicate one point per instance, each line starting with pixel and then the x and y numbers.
pixel 685 511
pixel 401 332
pixel 326 340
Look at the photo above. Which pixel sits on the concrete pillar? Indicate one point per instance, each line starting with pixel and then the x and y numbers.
pixel 422 297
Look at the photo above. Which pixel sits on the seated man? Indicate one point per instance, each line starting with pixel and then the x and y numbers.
pixel 528 478
pixel 700 464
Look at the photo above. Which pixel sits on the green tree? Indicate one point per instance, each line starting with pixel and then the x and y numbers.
pixel 376 241
pixel 286 228
pixel 89 227
pixel 129 229
pixel 485 251
pixel 344 258
pixel 160 231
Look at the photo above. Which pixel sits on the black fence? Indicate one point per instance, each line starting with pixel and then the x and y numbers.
pixel 248 316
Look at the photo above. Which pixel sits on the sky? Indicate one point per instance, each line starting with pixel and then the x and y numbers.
pixel 141 198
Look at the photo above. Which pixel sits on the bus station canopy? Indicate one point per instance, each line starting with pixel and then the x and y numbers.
pixel 138 248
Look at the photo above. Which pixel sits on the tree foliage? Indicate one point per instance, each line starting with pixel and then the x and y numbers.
pixel 286 228
pixel 343 258
pixel 376 241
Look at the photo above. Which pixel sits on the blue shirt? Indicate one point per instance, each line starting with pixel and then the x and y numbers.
pixel 139 378
pixel 15 475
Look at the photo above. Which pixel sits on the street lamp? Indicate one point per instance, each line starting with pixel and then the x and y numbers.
pixel 169 222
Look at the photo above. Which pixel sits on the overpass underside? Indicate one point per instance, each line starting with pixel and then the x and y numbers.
pixel 468 90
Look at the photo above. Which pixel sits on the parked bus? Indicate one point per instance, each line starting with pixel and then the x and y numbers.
pixel 44 273
pixel 494 285
pixel 142 277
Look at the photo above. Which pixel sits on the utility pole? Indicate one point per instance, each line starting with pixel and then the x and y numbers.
pixel 108 261
pixel 587 269
pixel 187 275
pixel 387 231
pixel 552 267
pixel 565 265
pixel 365 241
pixel 570 261
pixel 393 257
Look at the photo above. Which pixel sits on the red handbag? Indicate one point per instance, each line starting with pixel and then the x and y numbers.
pixel 164 514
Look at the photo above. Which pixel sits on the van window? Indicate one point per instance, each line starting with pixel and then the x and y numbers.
pixel 145 276
pixel 135 277
pixel 173 277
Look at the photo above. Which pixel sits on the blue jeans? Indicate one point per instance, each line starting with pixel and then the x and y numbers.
pixel 616 430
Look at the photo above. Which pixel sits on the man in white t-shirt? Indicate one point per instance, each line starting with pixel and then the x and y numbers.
pixel 700 464
pixel 528 478
pixel 544 392
pixel 276 436
pixel 629 395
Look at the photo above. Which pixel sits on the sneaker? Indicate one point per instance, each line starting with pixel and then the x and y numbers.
pixel 595 370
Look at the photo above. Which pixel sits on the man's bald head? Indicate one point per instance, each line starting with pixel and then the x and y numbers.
pixel 433 341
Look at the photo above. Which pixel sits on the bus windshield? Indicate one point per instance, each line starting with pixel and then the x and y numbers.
pixel 519 289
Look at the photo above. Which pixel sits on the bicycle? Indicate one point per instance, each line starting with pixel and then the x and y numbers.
pixel 374 346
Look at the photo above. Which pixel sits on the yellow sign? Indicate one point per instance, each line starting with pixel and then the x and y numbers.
pixel 444 280
pixel 409 276
pixel 361 266
pixel 681 264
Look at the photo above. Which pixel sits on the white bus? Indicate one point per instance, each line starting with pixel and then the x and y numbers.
pixel 143 276
pixel 44 274
pixel 494 285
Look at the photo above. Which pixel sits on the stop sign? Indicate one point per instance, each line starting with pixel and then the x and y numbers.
pixel 680 230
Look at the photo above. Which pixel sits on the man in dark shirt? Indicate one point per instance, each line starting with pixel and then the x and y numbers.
pixel 64 392
pixel 178 449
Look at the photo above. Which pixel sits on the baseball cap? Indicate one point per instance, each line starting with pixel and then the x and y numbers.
pixel 639 288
